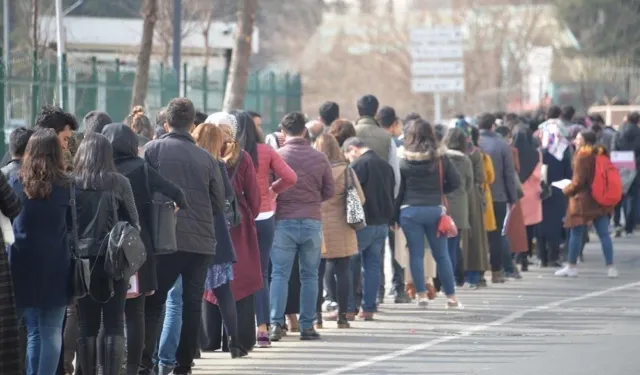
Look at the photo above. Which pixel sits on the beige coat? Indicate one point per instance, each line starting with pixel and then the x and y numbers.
pixel 339 238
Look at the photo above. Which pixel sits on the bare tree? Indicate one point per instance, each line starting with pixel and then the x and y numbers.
pixel 239 69
pixel 164 25
pixel 141 81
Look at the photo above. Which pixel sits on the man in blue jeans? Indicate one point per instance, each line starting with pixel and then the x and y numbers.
pixel 377 179
pixel 171 327
pixel 299 227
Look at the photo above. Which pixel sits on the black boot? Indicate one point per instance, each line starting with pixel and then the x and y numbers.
pixel 87 355
pixel 113 354
pixel 236 349
pixel 132 369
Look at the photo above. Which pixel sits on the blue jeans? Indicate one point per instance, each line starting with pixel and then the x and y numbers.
pixel 170 336
pixel 576 235
pixel 370 244
pixel 418 222
pixel 265 229
pixel 44 338
pixel 472 277
pixel 302 237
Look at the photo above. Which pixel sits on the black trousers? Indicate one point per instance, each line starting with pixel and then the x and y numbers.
pixel 337 273
pixel 498 247
pixel 134 315
pixel 548 249
pixel 193 269
pixel 216 334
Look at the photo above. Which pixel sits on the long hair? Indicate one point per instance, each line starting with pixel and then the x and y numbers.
pixel 342 129
pixel 230 148
pixel 419 137
pixel 43 165
pixel 94 168
pixel 139 122
pixel 328 144
pixel 210 138
pixel 247 136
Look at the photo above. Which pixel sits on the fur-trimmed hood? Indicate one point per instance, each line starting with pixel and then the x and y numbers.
pixel 455 153
pixel 421 156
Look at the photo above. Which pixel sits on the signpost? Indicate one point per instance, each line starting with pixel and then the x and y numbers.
pixel 437 64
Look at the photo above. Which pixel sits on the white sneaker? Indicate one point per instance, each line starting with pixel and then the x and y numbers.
pixel 423 302
pixel 612 273
pixel 567 272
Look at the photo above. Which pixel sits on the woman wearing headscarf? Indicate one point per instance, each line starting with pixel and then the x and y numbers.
pixel 556 156
pixel 247 275
pixel 530 175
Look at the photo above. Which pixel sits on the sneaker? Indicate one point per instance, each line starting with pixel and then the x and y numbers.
pixel 275 332
pixel 453 304
pixel 612 273
pixel 423 302
pixel 513 275
pixel 309 334
pixel 402 298
pixel 470 286
pixel 262 340
pixel 567 272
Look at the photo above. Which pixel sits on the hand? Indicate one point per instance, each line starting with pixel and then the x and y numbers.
pixel 176 209
pixel 150 293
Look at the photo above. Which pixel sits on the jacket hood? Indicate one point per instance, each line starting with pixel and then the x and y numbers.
pixel 123 140
pixel 455 153
pixel 423 156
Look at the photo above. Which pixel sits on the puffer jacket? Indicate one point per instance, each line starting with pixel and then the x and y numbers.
pixel 177 158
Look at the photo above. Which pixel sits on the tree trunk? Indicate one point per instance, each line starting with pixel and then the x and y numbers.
pixel 239 68
pixel 141 82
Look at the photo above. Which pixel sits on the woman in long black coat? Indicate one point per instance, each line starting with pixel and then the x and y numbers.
pixel 10 358
pixel 144 183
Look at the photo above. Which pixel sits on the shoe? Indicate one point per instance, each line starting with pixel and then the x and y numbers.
pixel 113 354
pixel 612 273
pixel 275 333
pixel 410 290
pixel 86 348
pixel 482 283
pixel 366 316
pixel 431 292
pixel 453 304
pixel 567 272
pixel 164 370
pixel 497 277
pixel 342 321
pixel 401 298
pixel 423 302
pixel 309 334
pixel 513 275
pixel 618 232
pixel 262 340
pixel 235 348
pixel 470 286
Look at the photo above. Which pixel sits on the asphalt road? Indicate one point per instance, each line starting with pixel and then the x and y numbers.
pixel 540 325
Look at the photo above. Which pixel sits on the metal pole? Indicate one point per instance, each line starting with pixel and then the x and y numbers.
pixel 437 108
pixel 60 42
pixel 6 22
pixel 177 38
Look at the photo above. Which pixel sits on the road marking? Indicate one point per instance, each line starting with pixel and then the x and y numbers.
pixel 471 330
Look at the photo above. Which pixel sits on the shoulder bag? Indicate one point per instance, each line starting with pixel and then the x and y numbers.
pixel 231 209
pixel 446 226
pixel 125 252
pixel 81 276
pixel 355 212
pixel 163 221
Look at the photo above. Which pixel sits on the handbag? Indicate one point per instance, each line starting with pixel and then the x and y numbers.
pixel 231 209
pixel 446 226
pixel 81 277
pixel 163 221
pixel 355 212
pixel 125 252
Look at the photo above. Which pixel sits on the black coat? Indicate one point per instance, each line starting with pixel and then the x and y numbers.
pixel 125 148
pixel 225 252
pixel 177 158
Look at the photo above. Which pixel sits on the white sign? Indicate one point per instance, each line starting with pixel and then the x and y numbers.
pixel 442 35
pixel 437 84
pixel 437 68
pixel 437 52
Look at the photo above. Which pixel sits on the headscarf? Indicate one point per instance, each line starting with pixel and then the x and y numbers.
pixel 223 118
pixel 554 138
pixel 528 155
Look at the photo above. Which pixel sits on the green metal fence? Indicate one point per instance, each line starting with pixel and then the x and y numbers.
pixel 107 85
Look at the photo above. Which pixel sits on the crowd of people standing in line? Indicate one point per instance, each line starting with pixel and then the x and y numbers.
pixel 272 227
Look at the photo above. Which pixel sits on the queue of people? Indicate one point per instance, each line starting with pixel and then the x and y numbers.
pixel 234 238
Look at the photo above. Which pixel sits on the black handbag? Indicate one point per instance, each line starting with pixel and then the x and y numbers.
pixel 163 222
pixel 81 276
pixel 125 252
pixel 231 209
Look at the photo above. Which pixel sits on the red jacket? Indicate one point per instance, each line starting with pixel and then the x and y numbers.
pixel 270 161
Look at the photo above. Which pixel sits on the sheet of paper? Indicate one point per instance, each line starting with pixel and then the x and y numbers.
pixel 134 288
pixel 561 184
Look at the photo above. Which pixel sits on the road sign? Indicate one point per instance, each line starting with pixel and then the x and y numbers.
pixel 437 85
pixel 437 68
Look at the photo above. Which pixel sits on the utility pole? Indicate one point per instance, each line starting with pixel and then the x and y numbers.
pixel 60 43
pixel 177 39
pixel 6 22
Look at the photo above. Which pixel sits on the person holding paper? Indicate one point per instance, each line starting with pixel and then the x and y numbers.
pixel 556 168
pixel 583 208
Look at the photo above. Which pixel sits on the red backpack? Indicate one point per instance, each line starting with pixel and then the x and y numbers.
pixel 606 188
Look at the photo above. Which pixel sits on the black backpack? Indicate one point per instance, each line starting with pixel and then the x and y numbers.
pixel 125 252
pixel 231 207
